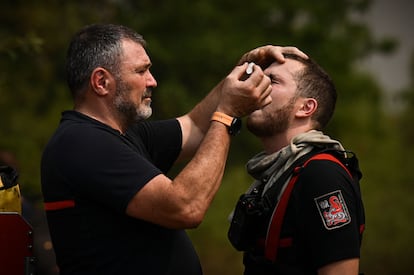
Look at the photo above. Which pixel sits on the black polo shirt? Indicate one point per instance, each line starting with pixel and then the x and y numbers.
pixel 89 173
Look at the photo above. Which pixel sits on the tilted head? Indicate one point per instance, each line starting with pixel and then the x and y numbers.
pixel 303 96
pixel 313 82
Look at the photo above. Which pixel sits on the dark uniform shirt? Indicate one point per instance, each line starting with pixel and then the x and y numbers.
pixel 89 173
pixel 322 220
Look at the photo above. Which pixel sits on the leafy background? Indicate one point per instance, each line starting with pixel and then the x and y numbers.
pixel 193 44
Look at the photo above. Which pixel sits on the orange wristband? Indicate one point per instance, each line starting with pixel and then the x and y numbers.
pixel 223 118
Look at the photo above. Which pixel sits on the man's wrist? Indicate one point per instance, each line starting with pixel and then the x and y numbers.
pixel 233 123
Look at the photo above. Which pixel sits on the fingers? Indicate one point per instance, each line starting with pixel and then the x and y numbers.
pixel 267 101
pixel 260 82
pixel 265 55
pixel 241 97
pixel 245 70
pixel 293 50
pixel 266 88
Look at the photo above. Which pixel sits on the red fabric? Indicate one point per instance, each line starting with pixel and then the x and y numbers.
pixel 57 205
pixel 16 239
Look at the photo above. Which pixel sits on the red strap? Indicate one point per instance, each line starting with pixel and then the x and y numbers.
pixel 57 205
pixel 273 234
pixel 325 156
pixel 361 228
pixel 273 241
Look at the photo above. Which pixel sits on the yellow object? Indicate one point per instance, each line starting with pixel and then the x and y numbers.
pixel 10 198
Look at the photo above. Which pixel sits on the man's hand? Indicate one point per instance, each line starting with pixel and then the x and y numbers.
pixel 241 96
pixel 266 55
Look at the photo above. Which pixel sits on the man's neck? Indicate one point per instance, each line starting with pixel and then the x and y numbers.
pixel 102 115
pixel 276 142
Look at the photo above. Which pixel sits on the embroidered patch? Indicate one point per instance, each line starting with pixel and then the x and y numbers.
pixel 333 210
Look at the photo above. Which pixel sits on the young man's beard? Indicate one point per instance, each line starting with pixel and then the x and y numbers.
pixel 272 123
pixel 128 110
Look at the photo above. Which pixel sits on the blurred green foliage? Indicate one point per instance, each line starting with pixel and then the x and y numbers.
pixel 193 44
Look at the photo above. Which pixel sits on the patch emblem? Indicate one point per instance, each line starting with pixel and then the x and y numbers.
pixel 333 210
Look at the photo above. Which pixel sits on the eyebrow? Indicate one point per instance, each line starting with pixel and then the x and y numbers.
pixel 134 66
pixel 273 76
pixel 146 63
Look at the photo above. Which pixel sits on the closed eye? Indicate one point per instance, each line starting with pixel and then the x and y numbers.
pixel 274 79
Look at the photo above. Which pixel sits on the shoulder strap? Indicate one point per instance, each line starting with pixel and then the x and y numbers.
pixel 270 195
pixel 275 226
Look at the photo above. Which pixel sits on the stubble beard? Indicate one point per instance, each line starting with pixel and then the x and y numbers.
pixel 128 110
pixel 271 123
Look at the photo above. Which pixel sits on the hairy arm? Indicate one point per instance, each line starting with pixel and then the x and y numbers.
pixel 196 123
pixel 183 201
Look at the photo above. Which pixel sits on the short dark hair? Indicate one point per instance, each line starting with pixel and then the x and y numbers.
pixel 312 81
pixel 97 45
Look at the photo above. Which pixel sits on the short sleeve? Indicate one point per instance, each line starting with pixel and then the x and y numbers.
pixel 160 141
pixel 326 213
pixel 104 168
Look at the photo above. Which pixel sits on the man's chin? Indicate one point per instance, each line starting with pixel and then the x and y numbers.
pixel 144 114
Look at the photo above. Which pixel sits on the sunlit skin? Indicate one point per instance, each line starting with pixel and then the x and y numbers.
pixel 277 123
pixel 119 101
pixel 278 118
pixel 283 86
pixel 118 96
pixel 134 89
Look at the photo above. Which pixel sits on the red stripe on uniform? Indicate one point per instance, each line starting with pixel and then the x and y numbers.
pixel 57 205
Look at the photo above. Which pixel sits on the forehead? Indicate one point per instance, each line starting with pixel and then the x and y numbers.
pixel 133 52
pixel 285 70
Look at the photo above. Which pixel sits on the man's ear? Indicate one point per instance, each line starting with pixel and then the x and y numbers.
pixel 101 80
pixel 307 107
